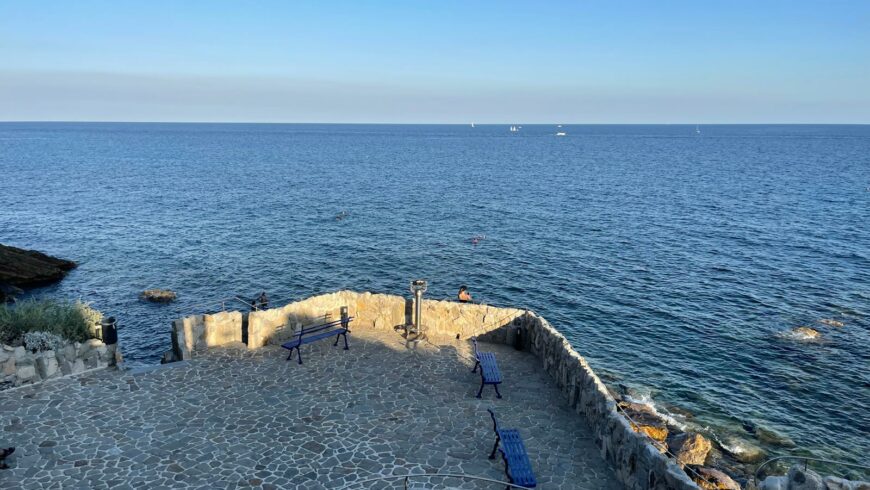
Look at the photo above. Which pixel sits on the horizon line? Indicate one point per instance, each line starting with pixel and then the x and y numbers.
pixel 11 121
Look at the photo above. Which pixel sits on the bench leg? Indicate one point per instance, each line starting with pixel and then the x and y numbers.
pixel 497 394
pixel 494 446
pixel 336 340
pixel 290 355
pixel 475 367
pixel 481 389
pixel 345 341
pixel 299 355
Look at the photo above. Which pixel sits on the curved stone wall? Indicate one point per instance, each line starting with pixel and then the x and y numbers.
pixel 638 464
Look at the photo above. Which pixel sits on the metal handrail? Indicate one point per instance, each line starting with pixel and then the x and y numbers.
pixel 445 475
pixel 805 459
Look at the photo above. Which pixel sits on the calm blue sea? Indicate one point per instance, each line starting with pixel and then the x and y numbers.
pixel 677 263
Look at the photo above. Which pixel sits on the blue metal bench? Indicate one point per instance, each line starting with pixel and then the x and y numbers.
pixel 517 466
pixel 489 373
pixel 307 335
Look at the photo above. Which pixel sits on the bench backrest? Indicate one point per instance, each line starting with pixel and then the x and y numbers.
pixel 474 344
pixel 336 324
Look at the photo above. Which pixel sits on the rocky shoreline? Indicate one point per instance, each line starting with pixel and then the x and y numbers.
pixel 22 269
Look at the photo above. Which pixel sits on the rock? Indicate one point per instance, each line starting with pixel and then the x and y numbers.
pixel 643 419
pixel 834 483
pixel 26 372
pixel 9 367
pixel 27 268
pixel 744 451
pixel 804 479
pixel 713 479
pixel 690 448
pixel 772 438
pixel 832 323
pixel 9 292
pixel 774 483
pixel 46 364
pixel 805 333
pixel 158 295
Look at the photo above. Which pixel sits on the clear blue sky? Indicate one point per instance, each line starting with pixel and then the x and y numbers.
pixel 436 61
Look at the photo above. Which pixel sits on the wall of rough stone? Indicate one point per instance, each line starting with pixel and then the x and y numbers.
pixel 199 332
pixel 638 464
pixel 19 366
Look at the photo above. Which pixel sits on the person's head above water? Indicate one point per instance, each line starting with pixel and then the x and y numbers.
pixel 463 288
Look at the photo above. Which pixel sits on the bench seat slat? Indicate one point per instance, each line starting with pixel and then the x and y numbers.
pixel 514 452
pixel 491 374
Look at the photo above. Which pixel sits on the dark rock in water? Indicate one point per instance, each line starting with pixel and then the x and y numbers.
pixel 158 295
pixel 29 268
pixel 773 438
pixel 8 292
pixel 713 479
pixel 749 426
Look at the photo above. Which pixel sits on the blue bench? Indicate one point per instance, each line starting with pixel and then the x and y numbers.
pixel 517 466
pixel 489 373
pixel 307 335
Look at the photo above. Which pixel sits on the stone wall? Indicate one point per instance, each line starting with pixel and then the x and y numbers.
pixel 19 366
pixel 199 332
pixel 638 463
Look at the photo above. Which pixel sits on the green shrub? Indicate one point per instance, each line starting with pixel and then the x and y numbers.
pixel 73 321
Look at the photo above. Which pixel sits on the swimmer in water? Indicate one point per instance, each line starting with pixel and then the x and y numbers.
pixel 464 296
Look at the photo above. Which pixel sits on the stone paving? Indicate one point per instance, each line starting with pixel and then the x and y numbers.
pixel 241 419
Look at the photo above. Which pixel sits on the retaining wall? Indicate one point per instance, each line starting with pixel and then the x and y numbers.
pixel 19 366
pixel 638 464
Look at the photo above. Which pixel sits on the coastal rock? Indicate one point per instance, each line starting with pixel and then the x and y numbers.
pixel 690 448
pixel 835 483
pixel 774 483
pixel 643 419
pixel 9 292
pixel 158 295
pixel 804 479
pixel 832 323
pixel 773 438
pixel 28 268
pixel 748 453
pixel 805 333
pixel 713 479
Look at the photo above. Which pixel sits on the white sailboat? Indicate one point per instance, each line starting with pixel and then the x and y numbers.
pixel 514 129
pixel 472 125
pixel 697 129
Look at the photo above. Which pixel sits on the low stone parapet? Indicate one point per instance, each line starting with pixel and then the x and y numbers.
pixel 637 462
pixel 19 366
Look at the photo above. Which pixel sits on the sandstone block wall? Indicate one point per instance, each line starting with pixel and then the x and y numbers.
pixel 199 332
pixel 639 464
pixel 19 366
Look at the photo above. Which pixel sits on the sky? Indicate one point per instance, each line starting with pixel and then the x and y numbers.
pixel 695 62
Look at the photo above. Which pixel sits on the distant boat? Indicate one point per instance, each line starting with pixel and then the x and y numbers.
pixel 472 125
pixel 697 129
pixel 514 129
pixel 559 126
pixel 561 133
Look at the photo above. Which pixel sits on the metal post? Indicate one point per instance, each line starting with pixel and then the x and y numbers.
pixel 418 287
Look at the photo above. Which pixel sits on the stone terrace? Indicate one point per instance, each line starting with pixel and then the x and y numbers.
pixel 238 419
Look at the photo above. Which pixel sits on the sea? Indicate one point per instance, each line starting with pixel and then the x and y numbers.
pixel 678 262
